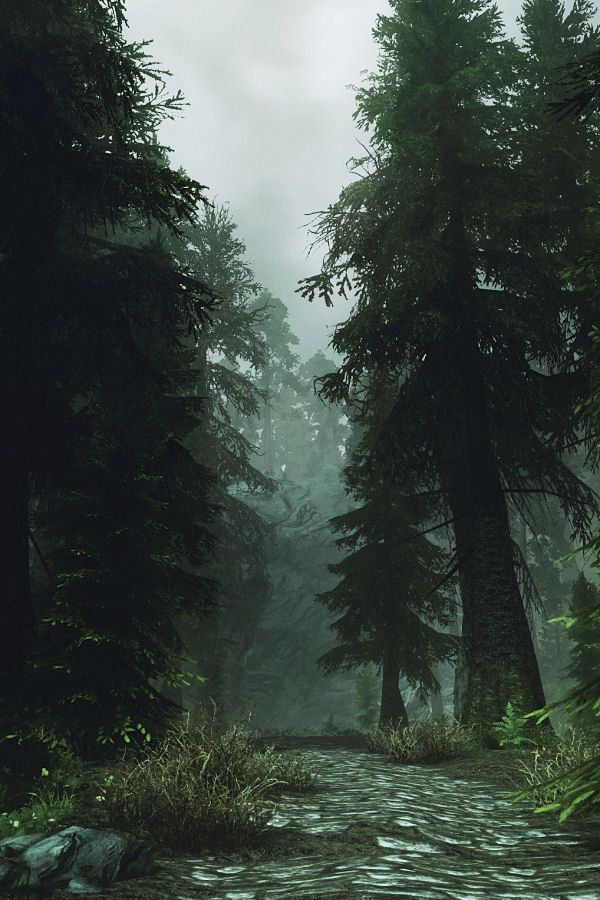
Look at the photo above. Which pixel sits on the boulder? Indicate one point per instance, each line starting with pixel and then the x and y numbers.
pixel 82 859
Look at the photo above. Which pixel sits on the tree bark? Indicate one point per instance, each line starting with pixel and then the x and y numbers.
pixel 435 699
pixel 16 605
pixel 499 659
pixel 393 711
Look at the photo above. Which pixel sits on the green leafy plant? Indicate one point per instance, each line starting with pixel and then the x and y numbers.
pixel 511 730
pixel 48 808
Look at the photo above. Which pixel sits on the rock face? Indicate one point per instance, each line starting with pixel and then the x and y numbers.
pixel 277 676
pixel 82 859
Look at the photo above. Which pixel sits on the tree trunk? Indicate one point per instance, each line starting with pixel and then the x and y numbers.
pixel 435 699
pixel 268 427
pixel 393 711
pixel 499 659
pixel 16 605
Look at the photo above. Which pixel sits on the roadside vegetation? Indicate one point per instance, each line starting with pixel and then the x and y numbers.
pixel 424 742
pixel 199 786
pixel 202 787
pixel 547 771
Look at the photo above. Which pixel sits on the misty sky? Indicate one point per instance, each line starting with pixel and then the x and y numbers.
pixel 269 127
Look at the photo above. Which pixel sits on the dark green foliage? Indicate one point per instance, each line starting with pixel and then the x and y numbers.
pixel 388 594
pixel 575 786
pixel 574 782
pixel 584 631
pixel 394 587
pixel 229 355
pixel 579 73
pixel 95 400
pixel 277 380
pixel 127 523
pixel 452 300
pixel 367 697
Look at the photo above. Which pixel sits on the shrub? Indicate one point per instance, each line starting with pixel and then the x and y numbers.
pixel 292 773
pixel 546 771
pixel 512 730
pixel 427 741
pixel 48 809
pixel 200 787
pixel 41 796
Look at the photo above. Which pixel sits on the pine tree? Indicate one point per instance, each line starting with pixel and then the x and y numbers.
pixel 428 240
pixel 276 377
pixel 573 103
pixel 393 593
pixel 230 354
pixel 584 631
pixel 81 166
pixel 558 168
pixel 126 521
pixel 324 440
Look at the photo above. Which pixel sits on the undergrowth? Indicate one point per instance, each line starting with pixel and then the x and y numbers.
pixel 545 771
pixel 46 811
pixel 427 741
pixel 49 801
pixel 201 787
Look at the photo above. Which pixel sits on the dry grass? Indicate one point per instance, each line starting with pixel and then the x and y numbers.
pixel 203 788
pixel 542 773
pixel 424 742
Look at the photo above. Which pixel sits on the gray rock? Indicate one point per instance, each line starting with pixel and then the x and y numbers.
pixel 15 875
pixel 52 856
pixel 82 858
pixel 83 886
pixel 10 847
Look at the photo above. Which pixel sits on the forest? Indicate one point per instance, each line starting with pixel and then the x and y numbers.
pixel 278 623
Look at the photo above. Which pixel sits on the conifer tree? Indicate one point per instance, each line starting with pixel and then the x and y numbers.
pixel 585 633
pixel 82 307
pixel 325 437
pixel 230 353
pixel 276 377
pixel 428 238
pixel 394 593
pixel 579 788
pixel 558 168
pixel 126 522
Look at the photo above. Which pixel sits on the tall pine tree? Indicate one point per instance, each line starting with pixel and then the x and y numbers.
pixel 429 240
pixel 82 306
pixel 393 595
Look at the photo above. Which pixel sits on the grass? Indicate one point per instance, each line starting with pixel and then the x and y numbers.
pixel 201 787
pixel 46 811
pixel 543 772
pixel 47 801
pixel 425 742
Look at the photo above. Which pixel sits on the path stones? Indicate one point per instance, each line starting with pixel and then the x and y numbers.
pixel 82 859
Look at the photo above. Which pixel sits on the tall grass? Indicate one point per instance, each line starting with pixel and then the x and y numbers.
pixel 543 773
pixel 48 809
pixel 426 741
pixel 203 788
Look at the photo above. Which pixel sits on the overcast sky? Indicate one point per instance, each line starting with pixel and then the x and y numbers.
pixel 269 126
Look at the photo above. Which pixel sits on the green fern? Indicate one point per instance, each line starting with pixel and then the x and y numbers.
pixel 511 730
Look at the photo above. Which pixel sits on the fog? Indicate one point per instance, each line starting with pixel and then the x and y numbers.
pixel 269 125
